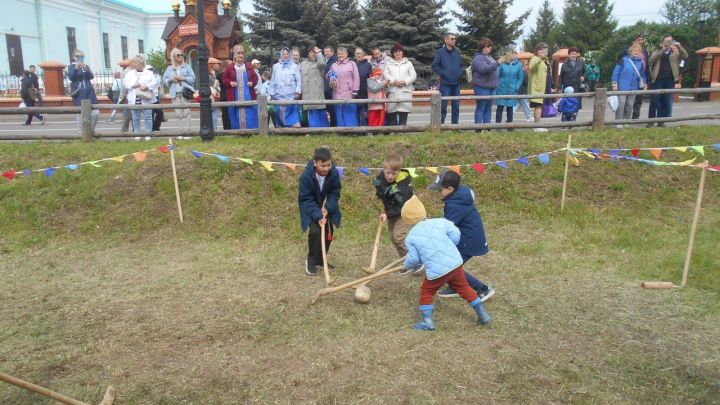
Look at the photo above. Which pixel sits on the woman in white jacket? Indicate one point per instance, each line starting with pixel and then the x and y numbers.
pixel 400 75
pixel 140 83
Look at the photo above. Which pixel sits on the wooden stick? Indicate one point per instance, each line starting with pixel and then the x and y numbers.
pixel 326 270
pixel 364 280
pixel 175 180
pixel 693 228
pixel 40 390
pixel 109 397
pixel 565 177
pixel 657 284
pixel 373 259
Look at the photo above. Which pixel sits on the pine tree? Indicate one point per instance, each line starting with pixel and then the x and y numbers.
pixel 546 28
pixel 418 25
pixel 586 24
pixel 349 27
pixel 487 18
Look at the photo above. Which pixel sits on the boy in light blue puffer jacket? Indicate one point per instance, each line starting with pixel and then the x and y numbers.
pixel 432 243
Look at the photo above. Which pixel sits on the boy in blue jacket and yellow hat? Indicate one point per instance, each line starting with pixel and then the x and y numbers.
pixel 432 243
pixel 461 210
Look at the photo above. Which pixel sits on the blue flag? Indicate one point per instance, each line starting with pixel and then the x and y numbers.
pixel 50 171
pixel 341 171
pixel 502 164
pixel 27 172
pixel 364 170
pixel 544 158
pixel 197 154
pixel 72 167
pixel 523 161
pixel 221 157
pixel 717 147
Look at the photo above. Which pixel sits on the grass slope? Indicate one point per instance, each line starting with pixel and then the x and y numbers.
pixel 101 284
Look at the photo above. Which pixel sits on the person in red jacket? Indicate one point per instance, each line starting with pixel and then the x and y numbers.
pixel 240 80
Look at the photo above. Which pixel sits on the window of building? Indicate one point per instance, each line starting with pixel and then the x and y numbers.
pixel 106 49
pixel 123 44
pixel 141 46
pixel 72 44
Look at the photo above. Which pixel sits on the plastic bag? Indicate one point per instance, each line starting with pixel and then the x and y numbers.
pixel 613 103
pixel 22 105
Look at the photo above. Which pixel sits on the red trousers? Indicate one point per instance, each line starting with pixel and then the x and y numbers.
pixel 376 118
pixel 457 281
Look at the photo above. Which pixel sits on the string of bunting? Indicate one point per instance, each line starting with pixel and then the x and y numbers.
pixel 50 171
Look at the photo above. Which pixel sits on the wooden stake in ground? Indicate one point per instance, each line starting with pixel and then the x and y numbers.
pixel 373 259
pixel 177 189
pixel 107 400
pixel 693 228
pixel 565 177
pixel 383 272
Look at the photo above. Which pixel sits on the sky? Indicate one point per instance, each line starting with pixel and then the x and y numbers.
pixel 627 12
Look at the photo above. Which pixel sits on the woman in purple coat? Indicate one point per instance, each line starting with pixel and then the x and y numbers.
pixel 345 82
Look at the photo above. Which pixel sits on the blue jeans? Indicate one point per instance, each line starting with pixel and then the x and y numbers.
pixel 146 117
pixel 483 108
pixel 661 104
pixel 526 108
pixel 445 91
pixel 214 117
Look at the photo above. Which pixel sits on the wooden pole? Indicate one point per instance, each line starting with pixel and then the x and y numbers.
pixel 599 109
pixel 86 128
pixel 565 177
pixel 177 188
pixel 376 246
pixel 435 112
pixel 40 390
pixel 693 228
pixel 262 115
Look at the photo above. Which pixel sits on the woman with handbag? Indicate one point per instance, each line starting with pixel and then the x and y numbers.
pixel 628 75
pixel 539 81
pixel 81 87
pixel 140 83
pixel 180 79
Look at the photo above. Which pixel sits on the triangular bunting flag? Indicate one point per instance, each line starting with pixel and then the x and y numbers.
pixel 93 163
pixel 717 147
pixel 544 158
pixel 364 170
pixel 118 159
pixel 573 152
pixel 699 149
pixel 681 148
pixel 656 153
pixel 433 170
pixel 163 149
pixel 714 168
pixel 502 164
pixel 341 171
pixel 50 171
pixel 635 152
pixel 291 166
pixel 412 171
pixel 72 167
pixel 196 154
pixel 10 174
pixel 614 153
pixel 221 157
pixel 171 147
pixel 267 166
pixel 523 161
pixel 248 161
pixel 455 168
pixel 478 167
pixel 27 172
pixel 140 156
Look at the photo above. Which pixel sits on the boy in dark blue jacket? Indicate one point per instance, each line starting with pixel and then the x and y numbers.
pixel 319 203
pixel 461 210
pixel 569 106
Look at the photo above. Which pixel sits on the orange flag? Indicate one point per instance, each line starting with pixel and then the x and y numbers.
pixel 455 168
pixel 291 166
pixel 656 153
pixel 140 156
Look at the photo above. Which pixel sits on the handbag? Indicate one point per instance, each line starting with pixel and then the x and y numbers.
pixel 642 83
pixel 468 74
pixel 548 110
pixel 188 93
pixel 144 95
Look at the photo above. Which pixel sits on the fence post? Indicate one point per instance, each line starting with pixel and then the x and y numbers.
pixel 435 107
pixel 262 115
pixel 86 127
pixel 599 109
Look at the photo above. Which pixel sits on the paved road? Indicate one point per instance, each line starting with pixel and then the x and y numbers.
pixel 65 125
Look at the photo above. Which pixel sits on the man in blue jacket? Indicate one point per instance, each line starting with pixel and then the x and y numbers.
pixel 447 63
pixel 319 203
pixel 461 210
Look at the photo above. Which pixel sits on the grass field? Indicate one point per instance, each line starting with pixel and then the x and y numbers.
pixel 101 285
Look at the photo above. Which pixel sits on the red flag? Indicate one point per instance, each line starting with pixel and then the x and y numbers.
pixel 635 152
pixel 715 168
pixel 164 149
pixel 9 174
pixel 479 167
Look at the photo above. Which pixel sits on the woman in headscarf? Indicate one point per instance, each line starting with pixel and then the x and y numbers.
pixel 345 82
pixel 313 87
pixel 286 84
pixel 178 76
pixel 240 81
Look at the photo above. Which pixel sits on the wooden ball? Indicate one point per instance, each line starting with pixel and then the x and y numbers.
pixel 362 294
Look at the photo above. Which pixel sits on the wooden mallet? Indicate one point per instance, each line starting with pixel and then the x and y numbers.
pixel 383 272
pixel 373 259
pixel 108 399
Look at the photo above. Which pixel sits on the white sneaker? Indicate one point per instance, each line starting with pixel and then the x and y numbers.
pixel 540 129
pixel 619 126
pixel 486 296
pixel 530 120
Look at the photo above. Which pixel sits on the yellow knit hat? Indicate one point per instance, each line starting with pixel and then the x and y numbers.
pixel 413 211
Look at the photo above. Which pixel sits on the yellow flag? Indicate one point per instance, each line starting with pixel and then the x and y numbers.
pixel 95 163
pixel 699 149
pixel 681 148
pixel 118 159
pixel 140 156
pixel 267 166
pixel 411 171
pixel 248 161
pixel 656 153
pixel 433 170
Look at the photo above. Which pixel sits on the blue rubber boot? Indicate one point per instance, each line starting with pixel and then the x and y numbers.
pixel 483 316
pixel 426 321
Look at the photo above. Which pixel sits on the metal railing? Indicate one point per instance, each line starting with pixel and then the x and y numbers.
pixel 597 123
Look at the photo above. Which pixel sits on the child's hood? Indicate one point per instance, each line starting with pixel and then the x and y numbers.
pixel 462 196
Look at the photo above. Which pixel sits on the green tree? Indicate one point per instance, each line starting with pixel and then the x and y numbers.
pixel 546 29
pixel 348 24
pixel 157 60
pixel 586 24
pixel 686 12
pixel 487 18
pixel 418 25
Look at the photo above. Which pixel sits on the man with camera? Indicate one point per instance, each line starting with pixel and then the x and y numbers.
pixel 664 73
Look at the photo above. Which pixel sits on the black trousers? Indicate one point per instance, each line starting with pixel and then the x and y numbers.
pixel 397 118
pixel 157 118
pixel 314 256
pixel 31 103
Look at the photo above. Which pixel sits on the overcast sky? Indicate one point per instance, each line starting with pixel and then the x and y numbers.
pixel 627 12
